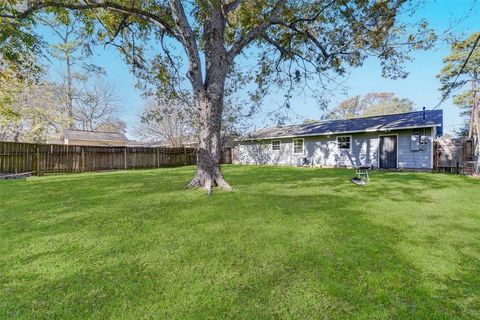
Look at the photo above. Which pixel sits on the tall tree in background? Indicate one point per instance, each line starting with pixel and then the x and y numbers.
pixel 71 50
pixel 18 64
pixel 89 102
pixel 11 84
pixel 95 104
pixel 347 109
pixel 37 115
pixel 28 104
pixel 31 106
pixel 372 104
pixel 163 120
pixel 173 120
pixel 294 41
pixel 467 80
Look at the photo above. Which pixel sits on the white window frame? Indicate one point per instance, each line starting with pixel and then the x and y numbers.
pixel 293 145
pixel 351 142
pixel 279 145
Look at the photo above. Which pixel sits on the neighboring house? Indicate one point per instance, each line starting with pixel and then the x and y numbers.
pixel 93 138
pixel 390 141
pixel 191 143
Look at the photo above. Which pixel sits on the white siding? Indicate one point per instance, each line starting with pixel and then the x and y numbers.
pixel 323 151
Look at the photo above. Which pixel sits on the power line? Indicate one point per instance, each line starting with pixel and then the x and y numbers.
pixel 455 125
pixel 458 75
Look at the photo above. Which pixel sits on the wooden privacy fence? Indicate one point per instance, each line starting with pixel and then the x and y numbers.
pixel 53 158
pixel 453 155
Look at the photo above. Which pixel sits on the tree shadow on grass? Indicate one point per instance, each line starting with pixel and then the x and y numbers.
pixel 359 273
pixel 337 181
pixel 294 248
pixel 325 259
pixel 78 201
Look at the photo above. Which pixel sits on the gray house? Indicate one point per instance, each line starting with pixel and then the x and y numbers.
pixel 391 141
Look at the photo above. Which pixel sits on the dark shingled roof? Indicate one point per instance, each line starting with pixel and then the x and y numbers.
pixel 433 118
pixel 94 135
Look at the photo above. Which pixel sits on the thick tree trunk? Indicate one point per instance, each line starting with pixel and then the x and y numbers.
pixel 208 173
pixel 209 96
pixel 71 115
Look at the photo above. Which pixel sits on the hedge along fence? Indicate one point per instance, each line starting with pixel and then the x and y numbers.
pixel 53 158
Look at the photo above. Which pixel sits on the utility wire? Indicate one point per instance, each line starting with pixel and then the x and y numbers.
pixel 458 75
pixel 454 125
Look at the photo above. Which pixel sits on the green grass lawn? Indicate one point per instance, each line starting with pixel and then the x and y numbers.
pixel 288 243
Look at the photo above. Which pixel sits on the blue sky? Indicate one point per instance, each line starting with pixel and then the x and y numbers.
pixel 421 85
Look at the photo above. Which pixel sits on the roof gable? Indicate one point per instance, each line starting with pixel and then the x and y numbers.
pixel 433 118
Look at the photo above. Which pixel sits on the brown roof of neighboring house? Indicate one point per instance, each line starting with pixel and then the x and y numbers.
pixel 94 135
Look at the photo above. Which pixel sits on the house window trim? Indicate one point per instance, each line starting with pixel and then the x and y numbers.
pixel 293 146
pixel 279 145
pixel 345 149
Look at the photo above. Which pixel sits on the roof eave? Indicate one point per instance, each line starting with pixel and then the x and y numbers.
pixel 341 132
pixel 96 140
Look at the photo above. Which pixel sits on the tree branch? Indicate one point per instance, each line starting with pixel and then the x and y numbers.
pixel 255 32
pixel 188 39
pixel 143 14
pixel 273 19
pixel 315 17
pixel 305 32
pixel 231 6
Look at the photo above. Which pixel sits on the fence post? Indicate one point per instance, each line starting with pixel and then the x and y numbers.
pixel 82 159
pixel 125 158
pixel 38 168
pixel 154 162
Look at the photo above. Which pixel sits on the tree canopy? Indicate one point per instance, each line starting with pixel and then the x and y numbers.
pixel 460 77
pixel 297 39
pixel 372 104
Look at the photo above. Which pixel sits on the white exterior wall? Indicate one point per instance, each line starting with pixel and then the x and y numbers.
pixel 323 151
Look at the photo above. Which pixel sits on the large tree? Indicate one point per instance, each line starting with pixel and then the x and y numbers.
pixel 173 120
pixel 71 49
pixel 372 104
pixel 463 77
pixel 291 41
pixel 88 100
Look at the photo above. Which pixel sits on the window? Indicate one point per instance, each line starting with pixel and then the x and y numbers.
pixel 344 143
pixel 298 145
pixel 276 145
